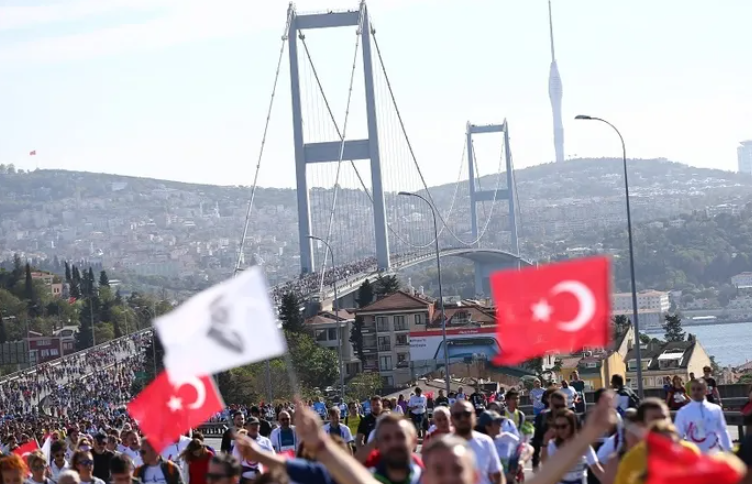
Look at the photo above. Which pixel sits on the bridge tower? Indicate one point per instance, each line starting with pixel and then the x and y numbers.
pixel 482 271
pixel 327 152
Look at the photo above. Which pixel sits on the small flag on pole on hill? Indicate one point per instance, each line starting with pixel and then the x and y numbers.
pixel 33 153
pixel 229 325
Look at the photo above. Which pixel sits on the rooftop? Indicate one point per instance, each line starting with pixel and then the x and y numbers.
pixel 400 300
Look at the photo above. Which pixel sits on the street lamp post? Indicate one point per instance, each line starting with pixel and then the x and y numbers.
pixel 335 307
pixel 447 377
pixel 635 321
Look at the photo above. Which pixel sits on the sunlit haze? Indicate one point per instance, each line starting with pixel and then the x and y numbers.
pixel 178 89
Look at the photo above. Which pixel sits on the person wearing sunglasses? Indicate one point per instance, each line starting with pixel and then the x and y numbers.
pixel 38 466
pixel 223 469
pixel 83 463
pixel 58 463
pixel 562 430
pixel 284 438
pixel 487 462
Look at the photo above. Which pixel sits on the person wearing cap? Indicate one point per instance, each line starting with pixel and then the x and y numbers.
pixel 251 469
pixel 101 457
pixel 265 428
pixel 491 423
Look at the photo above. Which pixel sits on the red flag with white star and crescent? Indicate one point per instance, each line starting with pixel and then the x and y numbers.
pixel 165 411
pixel 558 307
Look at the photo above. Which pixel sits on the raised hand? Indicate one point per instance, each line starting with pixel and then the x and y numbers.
pixel 308 425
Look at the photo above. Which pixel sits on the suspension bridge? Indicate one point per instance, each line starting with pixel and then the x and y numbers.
pixel 353 169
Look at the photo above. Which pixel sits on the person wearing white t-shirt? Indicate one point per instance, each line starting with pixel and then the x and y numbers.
pixel 562 431
pixel 335 427
pixel 417 406
pixel 702 422
pixel 252 469
pixel 487 461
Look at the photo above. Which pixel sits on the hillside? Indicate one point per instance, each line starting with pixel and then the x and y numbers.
pixel 691 251
pixel 171 231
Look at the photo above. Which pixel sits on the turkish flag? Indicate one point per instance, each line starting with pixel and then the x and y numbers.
pixel 27 448
pixel 559 307
pixel 671 463
pixel 165 411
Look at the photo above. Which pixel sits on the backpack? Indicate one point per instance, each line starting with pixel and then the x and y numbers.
pixel 633 399
pixel 168 469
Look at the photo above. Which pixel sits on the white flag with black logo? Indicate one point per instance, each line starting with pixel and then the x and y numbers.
pixel 229 325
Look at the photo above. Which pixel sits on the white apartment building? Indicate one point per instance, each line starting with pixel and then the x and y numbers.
pixel 744 157
pixel 743 279
pixel 652 301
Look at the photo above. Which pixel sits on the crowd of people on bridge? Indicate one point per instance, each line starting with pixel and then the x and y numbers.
pixel 310 283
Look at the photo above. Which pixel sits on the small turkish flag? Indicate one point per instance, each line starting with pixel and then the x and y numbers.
pixel 670 462
pixel 554 308
pixel 27 448
pixel 165 411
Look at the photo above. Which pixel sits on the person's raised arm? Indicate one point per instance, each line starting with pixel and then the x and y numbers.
pixel 342 466
pixel 251 451
pixel 598 422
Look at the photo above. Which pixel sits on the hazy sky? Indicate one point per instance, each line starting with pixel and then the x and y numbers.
pixel 178 89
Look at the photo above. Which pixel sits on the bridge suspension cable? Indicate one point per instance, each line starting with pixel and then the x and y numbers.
pixel 249 209
pixel 343 136
pixel 361 181
pixel 412 151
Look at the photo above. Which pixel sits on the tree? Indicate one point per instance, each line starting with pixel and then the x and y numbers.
pixel 289 313
pixel 365 294
pixel 621 326
pixel 364 385
pixel 67 272
pixel 314 365
pixel 29 284
pixel 356 337
pixel 386 285
pixel 673 328
pixel 92 285
pixel 104 281
pixel 85 334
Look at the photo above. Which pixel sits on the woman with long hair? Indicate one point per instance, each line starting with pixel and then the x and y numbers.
pixel 83 463
pixel 195 459
pixel 564 429
pixel 676 397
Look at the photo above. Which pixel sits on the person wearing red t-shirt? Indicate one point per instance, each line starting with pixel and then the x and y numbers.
pixel 196 457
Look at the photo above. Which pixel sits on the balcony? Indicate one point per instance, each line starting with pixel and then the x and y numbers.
pixel 382 328
pixel 401 343
pixel 401 326
pixel 369 329
pixel 403 364
pixel 385 347
pixel 371 366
